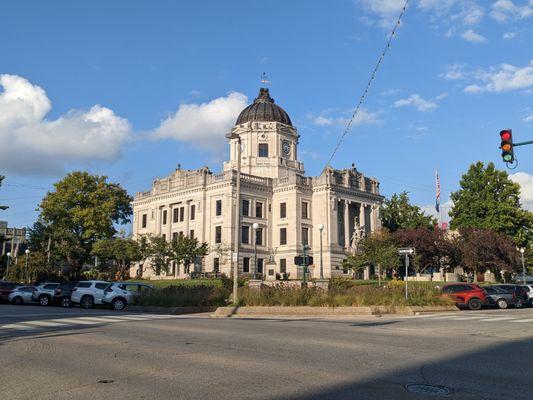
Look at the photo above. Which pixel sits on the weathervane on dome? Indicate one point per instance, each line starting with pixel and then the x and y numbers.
pixel 264 79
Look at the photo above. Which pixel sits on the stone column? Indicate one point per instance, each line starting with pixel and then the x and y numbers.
pixel 158 220
pixel 346 225
pixel 362 218
pixel 169 221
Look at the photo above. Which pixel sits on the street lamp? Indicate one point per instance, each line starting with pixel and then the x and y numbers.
pixel 8 254
pixel 27 251
pixel 256 227
pixel 522 250
pixel 235 256
pixel 321 229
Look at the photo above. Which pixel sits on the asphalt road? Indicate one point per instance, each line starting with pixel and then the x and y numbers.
pixel 53 353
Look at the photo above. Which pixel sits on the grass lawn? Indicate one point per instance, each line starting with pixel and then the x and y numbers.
pixel 161 283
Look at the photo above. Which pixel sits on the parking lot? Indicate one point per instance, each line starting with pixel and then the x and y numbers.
pixel 99 354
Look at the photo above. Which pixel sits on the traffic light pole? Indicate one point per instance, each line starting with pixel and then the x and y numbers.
pixel 522 143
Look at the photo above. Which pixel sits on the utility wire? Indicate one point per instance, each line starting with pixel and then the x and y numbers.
pixel 372 77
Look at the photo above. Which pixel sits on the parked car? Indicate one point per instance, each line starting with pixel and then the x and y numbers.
pixel 521 293
pixel 44 292
pixel 5 288
pixel 499 297
pixel 466 295
pixel 88 293
pixel 21 295
pixel 119 294
pixel 529 288
pixel 62 294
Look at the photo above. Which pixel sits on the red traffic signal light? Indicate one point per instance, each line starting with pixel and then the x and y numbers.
pixel 507 145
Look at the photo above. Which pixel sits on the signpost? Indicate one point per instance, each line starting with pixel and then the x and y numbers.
pixel 304 260
pixel 406 252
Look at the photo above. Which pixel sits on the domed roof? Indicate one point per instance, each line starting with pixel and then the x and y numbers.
pixel 263 109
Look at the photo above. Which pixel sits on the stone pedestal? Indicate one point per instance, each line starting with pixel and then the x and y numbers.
pixel 255 284
pixel 322 284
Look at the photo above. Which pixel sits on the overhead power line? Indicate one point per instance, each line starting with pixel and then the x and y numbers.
pixel 372 77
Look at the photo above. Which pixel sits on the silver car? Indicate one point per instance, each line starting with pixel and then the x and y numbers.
pixel 88 293
pixel 119 294
pixel 21 295
pixel 44 293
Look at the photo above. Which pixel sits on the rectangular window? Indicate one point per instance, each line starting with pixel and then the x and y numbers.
pixel 218 208
pixel 144 218
pixel 283 236
pixel 191 233
pixel 259 236
pixel 164 236
pixel 258 210
pixel 218 234
pixel 216 264
pixel 245 234
pixel 283 266
pixel 260 265
pixel 174 236
pixel 246 265
pixel 305 210
pixel 305 235
pixel 164 217
pixel 175 215
pixel 245 207
pixel 193 212
pixel 182 214
pixel 173 271
pixel 283 210
pixel 263 149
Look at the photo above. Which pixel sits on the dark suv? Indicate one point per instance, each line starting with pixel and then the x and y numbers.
pixel 519 291
pixel 5 288
pixel 62 294
pixel 466 295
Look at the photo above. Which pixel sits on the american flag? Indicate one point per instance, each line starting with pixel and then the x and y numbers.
pixel 437 201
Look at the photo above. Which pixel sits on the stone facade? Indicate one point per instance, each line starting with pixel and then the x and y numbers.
pixel 275 193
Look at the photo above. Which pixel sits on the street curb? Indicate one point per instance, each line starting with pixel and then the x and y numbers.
pixel 305 311
pixel 171 310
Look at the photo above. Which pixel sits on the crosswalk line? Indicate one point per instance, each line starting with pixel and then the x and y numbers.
pixel 75 321
pixel 44 324
pixel 102 319
pixel 465 318
pixel 523 320
pixel 18 327
pixel 496 319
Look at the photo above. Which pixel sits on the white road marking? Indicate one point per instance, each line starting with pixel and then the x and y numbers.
pixel 18 327
pixel 43 323
pixel 523 320
pixel 496 319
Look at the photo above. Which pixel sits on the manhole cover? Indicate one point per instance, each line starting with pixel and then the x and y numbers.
pixel 433 390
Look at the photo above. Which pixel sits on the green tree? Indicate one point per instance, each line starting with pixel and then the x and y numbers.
pixel 159 254
pixel 81 210
pixel 489 199
pixel 186 250
pixel 117 255
pixel 378 250
pixel 398 213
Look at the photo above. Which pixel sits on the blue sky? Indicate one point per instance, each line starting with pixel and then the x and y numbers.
pixel 130 89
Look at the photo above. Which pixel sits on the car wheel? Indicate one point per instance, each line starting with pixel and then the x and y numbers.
pixel 502 303
pixel 44 301
pixel 118 304
pixel 17 301
pixel 519 303
pixel 87 302
pixel 65 302
pixel 474 304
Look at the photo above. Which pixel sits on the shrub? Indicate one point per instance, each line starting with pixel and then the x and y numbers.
pixel 185 296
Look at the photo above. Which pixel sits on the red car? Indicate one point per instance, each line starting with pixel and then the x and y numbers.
pixel 466 295
pixel 5 288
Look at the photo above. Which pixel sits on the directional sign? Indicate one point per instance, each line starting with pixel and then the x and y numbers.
pixel 407 250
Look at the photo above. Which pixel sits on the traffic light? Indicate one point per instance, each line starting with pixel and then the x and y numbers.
pixel 507 145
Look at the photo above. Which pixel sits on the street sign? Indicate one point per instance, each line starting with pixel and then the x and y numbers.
pixel 299 260
pixel 234 257
pixel 407 250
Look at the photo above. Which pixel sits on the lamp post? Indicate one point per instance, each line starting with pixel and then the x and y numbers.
pixel 27 251
pixel 522 250
pixel 235 255
pixel 321 229
pixel 256 227
pixel 8 254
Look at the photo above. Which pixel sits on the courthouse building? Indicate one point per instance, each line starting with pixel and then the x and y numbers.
pixel 286 205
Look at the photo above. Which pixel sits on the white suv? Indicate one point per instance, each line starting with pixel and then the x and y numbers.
pixel 119 294
pixel 88 293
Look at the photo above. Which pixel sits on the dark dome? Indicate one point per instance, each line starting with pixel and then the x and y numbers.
pixel 263 109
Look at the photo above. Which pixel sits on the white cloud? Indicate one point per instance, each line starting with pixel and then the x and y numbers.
pixel 363 117
pixel 526 188
pixel 387 11
pixel 504 78
pixel 506 10
pixel 472 15
pixel 416 101
pixel 473 37
pixel 32 144
pixel 528 118
pixel 445 207
pixel 203 125
pixel 509 35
